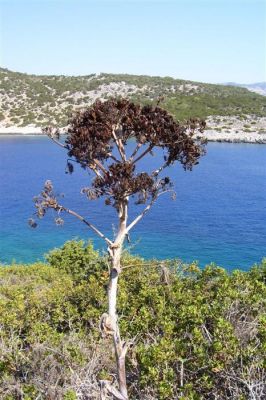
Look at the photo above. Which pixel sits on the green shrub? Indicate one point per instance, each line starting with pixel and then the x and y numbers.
pixel 196 331
pixel 76 258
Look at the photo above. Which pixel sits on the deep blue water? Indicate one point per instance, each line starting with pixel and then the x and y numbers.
pixel 219 214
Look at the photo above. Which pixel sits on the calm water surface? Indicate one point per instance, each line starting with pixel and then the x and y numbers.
pixel 219 214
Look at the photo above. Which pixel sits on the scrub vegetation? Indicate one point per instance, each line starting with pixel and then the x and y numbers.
pixel 195 333
pixel 41 100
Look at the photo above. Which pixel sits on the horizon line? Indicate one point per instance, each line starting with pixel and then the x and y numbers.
pixel 227 83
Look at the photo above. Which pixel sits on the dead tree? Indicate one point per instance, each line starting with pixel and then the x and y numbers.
pixel 97 139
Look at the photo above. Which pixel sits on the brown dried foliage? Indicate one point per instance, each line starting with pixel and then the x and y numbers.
pixel 97 140
pixel 90 135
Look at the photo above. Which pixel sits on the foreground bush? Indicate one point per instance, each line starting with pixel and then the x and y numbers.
pixel 197 334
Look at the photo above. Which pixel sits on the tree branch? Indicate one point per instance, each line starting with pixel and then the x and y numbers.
pixel 144 212
pixel 143 154
pixel 135 151
pixel 112 390
pixel 157 171
pixel 57 142
pixel 97 173
pixel 100 166
pixel 113 157
pixel 119 146
pixel 96 230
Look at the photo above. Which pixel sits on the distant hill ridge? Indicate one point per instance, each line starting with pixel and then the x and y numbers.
pixel 50 99
pixel 259 87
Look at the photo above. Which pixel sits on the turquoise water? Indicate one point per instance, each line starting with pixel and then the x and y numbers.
pixel 219 214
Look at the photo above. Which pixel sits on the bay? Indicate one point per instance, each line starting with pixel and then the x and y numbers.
pixel 219 214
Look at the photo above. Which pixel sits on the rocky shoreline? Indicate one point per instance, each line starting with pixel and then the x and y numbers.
pixel 23 131
pixel 236 129
pixel 232 137
pixel 219 129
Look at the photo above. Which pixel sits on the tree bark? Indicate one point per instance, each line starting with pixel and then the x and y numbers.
pixel 120 346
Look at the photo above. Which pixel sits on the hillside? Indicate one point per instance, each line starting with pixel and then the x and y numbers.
pixel 41 100
pixel 259 87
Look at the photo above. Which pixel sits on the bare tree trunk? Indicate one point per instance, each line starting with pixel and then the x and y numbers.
pixel 120 346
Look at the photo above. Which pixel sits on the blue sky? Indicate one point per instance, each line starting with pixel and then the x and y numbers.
pixel 210 41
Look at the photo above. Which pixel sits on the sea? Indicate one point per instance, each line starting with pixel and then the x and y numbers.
pixel 218 216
